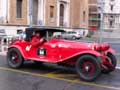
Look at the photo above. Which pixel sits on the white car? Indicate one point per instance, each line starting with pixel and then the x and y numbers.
pixel 71 35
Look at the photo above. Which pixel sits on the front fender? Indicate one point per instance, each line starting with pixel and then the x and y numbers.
pixel 91 52
pixel 23 53
pixel 112 51
pixel 87 52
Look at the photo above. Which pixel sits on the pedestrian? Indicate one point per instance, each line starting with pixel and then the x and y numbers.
pixel 5 41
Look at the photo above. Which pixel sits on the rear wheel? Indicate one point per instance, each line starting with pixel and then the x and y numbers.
pixel 88 67
pixel 14 58
pixel 111 59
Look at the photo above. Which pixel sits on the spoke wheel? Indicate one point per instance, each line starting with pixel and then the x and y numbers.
pixel 14 58
pixel 88 67
pixel 111 59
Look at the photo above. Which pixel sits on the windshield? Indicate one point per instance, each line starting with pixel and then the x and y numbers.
pixel 60 35
pixel 52 35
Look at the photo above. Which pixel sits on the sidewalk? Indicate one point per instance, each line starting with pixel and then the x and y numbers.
pixel 3 49
pixel 3 53
pixel 111 40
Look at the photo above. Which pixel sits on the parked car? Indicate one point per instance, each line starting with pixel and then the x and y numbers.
pixel 71 35
pixel 58 34
pixel 82 32
pixel 7 40
pixel 88 59
pixel 20 35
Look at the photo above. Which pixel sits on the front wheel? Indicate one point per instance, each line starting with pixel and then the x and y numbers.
pixel 112 60
pixel 14 58
pixel 88 67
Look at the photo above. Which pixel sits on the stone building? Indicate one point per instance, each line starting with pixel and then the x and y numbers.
pixel 55 13
pixel 111 15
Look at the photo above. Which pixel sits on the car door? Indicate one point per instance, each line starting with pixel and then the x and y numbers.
pixel 65 35
pixel 69 35
pixel 49 51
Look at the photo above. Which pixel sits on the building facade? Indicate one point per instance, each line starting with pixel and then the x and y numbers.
pixel 13 12
pixel 55 13
pixel 94 15
pixel 3 11
pixel 111 15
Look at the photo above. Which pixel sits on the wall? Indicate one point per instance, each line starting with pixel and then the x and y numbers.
pixel 48 21
pixel 12 30
pixel 3 11
pixel 76 13
pixel 12 18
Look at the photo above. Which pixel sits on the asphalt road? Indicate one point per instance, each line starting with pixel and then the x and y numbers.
pixel 51 77
pixel 116 47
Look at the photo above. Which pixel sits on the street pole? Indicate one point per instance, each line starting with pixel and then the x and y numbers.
pixel 7 11
pixel 30 12
pixel 101 3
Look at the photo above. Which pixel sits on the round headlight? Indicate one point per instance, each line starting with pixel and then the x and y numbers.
pixel 105 47
pixel 102 47
pixel 98 47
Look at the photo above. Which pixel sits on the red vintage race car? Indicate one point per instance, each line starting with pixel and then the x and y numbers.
pixel 89 59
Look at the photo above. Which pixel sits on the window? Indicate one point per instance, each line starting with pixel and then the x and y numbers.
pixel 99 15
pixel 111 17
pixel 51 11
pixel 62 8
pixel 111 7
pixel 111 23
pixel 83 16
pixel 19 8
pixel 112 0
pixel 19 31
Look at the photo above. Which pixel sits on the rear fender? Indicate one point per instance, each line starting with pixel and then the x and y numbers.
pixel 23 53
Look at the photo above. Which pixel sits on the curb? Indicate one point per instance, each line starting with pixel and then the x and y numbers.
pixel 118 67
pixel 3 53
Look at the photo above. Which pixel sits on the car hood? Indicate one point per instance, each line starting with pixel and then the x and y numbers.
pixel 74 44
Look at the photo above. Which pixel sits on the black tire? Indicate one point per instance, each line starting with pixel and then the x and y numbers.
pixel 113 60
pixel 38 62
pixel 14 58
pixel 88 62
pixel 74 38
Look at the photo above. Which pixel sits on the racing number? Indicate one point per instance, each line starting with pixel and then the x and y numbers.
pixel 42 52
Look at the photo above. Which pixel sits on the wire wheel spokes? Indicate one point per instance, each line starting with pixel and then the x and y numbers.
pixel 14 58
pixel 88 68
